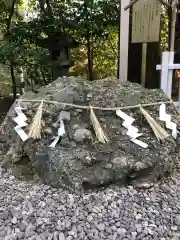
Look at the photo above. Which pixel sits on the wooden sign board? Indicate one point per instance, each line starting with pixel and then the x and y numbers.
pixel 146 21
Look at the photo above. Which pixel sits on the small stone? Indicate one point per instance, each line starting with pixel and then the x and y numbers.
pixel 64 95
pixel 120 162
pixel 20 235
pixel 44 235
pixel 114 228
pixel 55 236
pixel 121 231
pixel 138 228
pixel 165 188
pixel 96 210
pixel 89 207
pixel 69 238
pixel 177 220
pixel 89 218
pixel 138 216
pixel 50 237
pixel 89 95
pixel 14 220
pixel 150 232
pixel 2 233
pixel 176 234
pixel 143 185
pixel 29 232
pixel 81 134
pixel 4 215
pixel 75 126
pixel 153 197
pixel 61 236
pixel 134 234
pixel 64 115
pixel 48 131
pixel 174 228
pixel 101 227
pixel 22 226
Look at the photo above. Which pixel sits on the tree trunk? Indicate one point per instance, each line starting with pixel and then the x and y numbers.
pixel 14 87
pixel 49 8
pixel 118 61
pixel 89 56
pixel 41 4
pixel 88 26
pixel 169 11
pixel 10 16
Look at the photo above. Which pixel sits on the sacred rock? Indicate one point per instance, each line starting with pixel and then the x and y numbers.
pixel 79 161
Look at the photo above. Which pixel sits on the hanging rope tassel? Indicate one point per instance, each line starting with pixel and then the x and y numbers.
pixel 35 129
pixel 159 132
pixel 101 136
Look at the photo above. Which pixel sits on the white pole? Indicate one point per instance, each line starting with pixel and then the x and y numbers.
pixel 164 72
pixel 124 41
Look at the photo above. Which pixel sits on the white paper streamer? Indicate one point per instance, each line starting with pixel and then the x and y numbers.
pixel 21 122
pixel 163 116
pixel 132 131
pixel 61 131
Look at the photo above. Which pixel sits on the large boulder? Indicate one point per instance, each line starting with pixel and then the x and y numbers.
pixel 79 161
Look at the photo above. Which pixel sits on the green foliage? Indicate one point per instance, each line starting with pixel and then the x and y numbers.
pixel 94 24
pixel 164 30
pixel 5 81
pixel 97 20
pixel 97 16
pixel 105 56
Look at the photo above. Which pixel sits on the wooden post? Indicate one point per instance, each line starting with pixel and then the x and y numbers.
pixel 143 67
pixel 145 28
pixel 124 41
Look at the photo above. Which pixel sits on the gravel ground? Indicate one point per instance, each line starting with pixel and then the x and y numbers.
pixel 35 211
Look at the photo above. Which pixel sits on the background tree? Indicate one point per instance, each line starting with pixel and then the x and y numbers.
pixel 39 42
pixel 44 39
pixel 97 20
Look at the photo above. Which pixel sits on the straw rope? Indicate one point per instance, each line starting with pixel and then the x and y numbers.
pixel 35 128
pixel 100 134
pixel 96 107
pixel 159 132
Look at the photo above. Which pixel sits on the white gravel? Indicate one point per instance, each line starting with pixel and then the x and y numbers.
pixel 35 212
